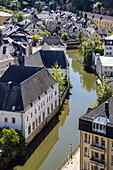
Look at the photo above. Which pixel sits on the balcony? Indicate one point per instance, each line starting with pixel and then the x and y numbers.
pixel 97 148
pixel 97 162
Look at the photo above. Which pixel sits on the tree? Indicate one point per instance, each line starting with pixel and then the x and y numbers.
pixel 98 6
pixel 65 36
pixel 57 74
pixel 38 6
pixel 19 15
pixel 35 38
pixel 9 140
pixel 87 48
pixel 104 92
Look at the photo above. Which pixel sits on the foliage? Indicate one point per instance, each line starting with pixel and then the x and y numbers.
pixel 87 48
pixel 65 36
pixel 44 33
pixel 41 25
pixel 98 6
pixel 35 37
pixel 99 50
pixel 38 6
pixel 9 140
pixel 104 91
pixel 19 15
pixel 56 73
pixel 12 142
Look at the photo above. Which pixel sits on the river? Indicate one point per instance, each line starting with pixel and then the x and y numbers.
pixel 56 145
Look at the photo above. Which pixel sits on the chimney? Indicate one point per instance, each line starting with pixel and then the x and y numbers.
pixel 9 85
pixel 4 50
pixel 107 109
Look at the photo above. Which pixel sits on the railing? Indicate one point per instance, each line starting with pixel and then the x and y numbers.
pixel 97 162
pixel 68 157
pixel 97 148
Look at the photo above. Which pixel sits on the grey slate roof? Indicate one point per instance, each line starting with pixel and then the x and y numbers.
pixel 85 122
pixel 28 83
pixel 52 40
pixel 47 58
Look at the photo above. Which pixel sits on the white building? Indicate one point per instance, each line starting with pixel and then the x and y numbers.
pixel 103 65
pixel 29 100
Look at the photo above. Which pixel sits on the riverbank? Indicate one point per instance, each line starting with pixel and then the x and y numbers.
pixel 72 162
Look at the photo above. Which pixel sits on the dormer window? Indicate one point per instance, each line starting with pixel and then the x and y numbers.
pixel 99 124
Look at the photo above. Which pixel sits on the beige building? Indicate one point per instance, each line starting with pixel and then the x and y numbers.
pixel 4 16
pixel 96 138
pixel 101 20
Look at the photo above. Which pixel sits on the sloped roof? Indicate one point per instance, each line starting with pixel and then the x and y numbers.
pixel 106 61
pixel 48 59
pixel 27 84
pixel 45 47
pixel 52 40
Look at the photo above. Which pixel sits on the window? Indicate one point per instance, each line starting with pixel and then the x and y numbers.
pixel 112 145
pixel 55 103
pixel 89 139
pixel 35 111
pixel 52 107
pixel 5 119
pixel 102 158
pixel 43 115
pixel 33 125
pixel 51 96
pixel 29 129
pixel 39 119
pixel 96 140
pixel 48 110
pixel 27 118
pixel 103 142
pixel 36 123
pixel 38 107
pixel 47 99
pixel 55 92
pixel 85 151
pixel 112 160
pixel 96 156
pixel 31 114
pixel 44 103
pixel 85 165
pixel 85 139
pixel 13 120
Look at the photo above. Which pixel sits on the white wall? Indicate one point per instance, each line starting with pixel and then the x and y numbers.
pixel 108 51
pixel 9 116
pixel 39 107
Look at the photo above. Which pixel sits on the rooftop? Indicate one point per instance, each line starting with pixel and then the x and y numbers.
pixel 20 86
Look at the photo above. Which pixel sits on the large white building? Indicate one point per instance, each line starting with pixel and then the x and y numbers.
pixel 29 99
pixel 103 65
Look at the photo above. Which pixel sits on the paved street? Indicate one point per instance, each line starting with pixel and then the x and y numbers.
pixel 73 164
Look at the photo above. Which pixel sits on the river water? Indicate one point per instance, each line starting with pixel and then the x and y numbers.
pixel 56 145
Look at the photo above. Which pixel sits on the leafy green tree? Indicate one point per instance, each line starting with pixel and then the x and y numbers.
pixel 57 74
pixel 104 92
pixel 9 140
pixel 44 33
pixel 87 48
pixel 38 6
pixel 98 6
pixel 65 36
pixel 19 15
pixel 35 38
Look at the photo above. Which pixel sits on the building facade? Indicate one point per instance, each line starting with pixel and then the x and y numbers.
pixel 29 101
pixel 96 138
